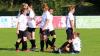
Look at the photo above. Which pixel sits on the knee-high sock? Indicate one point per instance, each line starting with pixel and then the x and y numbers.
pixel 17 45
pixel 24 45
pixel 47 43
pixel 50 43
pixel 33 43
pixel 42 45
pixel 53 40
pixel 64 45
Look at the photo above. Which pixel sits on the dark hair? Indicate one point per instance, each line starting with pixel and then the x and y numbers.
pixel 29 4
pixel 77 34
pixel 51 8
pixel 22 11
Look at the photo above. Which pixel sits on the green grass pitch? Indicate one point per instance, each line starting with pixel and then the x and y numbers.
pixel 90 39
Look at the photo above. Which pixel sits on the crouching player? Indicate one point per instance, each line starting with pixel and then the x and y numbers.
pixel 21 30
pixel 72 46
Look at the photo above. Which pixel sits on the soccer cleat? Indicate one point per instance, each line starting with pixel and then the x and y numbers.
pixel 59 51
pixel 41 50
pixel 26 50
pixel 17 50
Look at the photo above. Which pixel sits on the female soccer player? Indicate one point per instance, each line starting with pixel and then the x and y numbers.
pixel 44 31
pixel 51 30
pixel 31 26
pixel 23 6
pixel 72 46
pixel 21 30
pixel 69 25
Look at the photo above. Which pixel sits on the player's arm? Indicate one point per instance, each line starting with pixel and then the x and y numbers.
pixel 46 24
pixel 17 31
pixel 18 21
pixel 72 24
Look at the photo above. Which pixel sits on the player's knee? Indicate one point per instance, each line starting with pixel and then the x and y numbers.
pixel 19 40
pixel 25 38
pixel 54 36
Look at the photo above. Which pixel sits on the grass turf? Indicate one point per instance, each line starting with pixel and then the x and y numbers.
pixel 90 43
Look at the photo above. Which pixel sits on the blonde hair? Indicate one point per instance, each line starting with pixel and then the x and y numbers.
pixel 45 5
pixel 71 7
pixel 24 4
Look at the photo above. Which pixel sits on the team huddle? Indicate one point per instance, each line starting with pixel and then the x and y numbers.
pixel 26 26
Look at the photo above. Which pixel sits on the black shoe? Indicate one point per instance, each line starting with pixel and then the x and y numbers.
pixel 41 50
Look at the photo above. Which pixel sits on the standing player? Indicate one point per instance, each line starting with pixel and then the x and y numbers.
pixel 69 25
pixel 51 29
pixel 70 22
pixel 21 30
pixel 23 6
pixel 44 31
pixel 31 26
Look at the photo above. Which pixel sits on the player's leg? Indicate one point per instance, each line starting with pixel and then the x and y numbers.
pixel 19 40
pixel 65 47
pixel 24 41
pixel 47 39
pixel 41 40
pixel 53 34
pixel 32 40
pixel 31 37
pixel 69 33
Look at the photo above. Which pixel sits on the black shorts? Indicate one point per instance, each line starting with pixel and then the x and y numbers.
pixel 69 33
pixel 45 32
pixel 52 32
pixel 22 34
pixel 30 29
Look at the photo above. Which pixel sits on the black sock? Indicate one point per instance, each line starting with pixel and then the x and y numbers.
pixel 24 45
pixel 17 45
pixel 47 43
pixel 42 45
pixel 50 43
pixel 33 43
pixel 53 40
pixel 64 45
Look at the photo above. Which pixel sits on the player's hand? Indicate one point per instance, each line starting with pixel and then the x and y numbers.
pixel 17 32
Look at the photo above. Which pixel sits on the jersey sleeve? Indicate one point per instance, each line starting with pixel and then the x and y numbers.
pixel 32 14
pixel 48 15
pixel 19 19
pixel 71 17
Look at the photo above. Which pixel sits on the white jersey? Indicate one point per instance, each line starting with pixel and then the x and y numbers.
pixel 69 18
pixel 45 16
pixel 31 19
pixel 22 20
pixel 50 26
pixel 76 44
